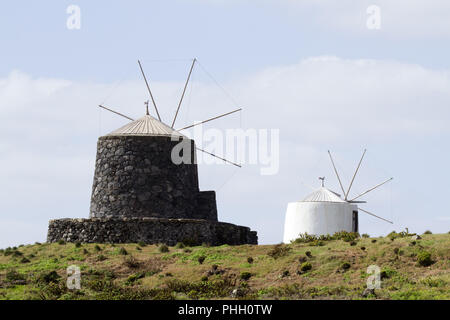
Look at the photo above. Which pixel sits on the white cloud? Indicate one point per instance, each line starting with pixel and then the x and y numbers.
pixel 50 126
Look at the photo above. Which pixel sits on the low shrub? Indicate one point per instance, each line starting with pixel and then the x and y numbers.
pixel 131 262
pixel 424 259
pixel 279 250
pixel 394 235
pixel 48 277
pixel 245 276
pixel 77 245
pixel 434 282
pixel 306 266
pixel 134 277
pixel 163 248
pixel 201 289
pixel 61 242
pixel 25 260
pixel 180 245
pixel 345 266
pixel 13 275
pixel 319 240
pixel 201 259
pixel 101 258
pixel 142 244
pixel 346 236
pixel 123 251
pixel 97 248
pixel 250 260
pixel 428 232
pixel 387 273
pixel 17 253
pixel 365 235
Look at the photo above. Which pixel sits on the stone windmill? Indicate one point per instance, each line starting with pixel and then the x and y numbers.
pixel 140 194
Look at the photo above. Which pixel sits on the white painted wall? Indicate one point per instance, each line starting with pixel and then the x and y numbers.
pixel 318 218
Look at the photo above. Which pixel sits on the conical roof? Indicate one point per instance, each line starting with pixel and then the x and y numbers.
pixel 323 195
pixel 145 126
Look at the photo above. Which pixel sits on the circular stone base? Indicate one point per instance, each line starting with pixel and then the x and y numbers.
pixel 150 231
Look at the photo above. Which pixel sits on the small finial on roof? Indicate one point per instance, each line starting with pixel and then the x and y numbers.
pixel 323 181
pixel 146 106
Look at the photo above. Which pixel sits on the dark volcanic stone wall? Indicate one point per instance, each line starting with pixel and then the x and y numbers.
pixel 149 230
pixel 135 177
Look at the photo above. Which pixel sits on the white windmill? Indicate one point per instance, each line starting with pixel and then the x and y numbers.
pixel 325 211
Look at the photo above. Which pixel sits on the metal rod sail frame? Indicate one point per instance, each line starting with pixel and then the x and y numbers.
pixel 335 170
pixel 118 113
pixel 223 159
pixel 356 172
pixel 369 213
pixel 371 189
pixel 148 88
pixel 184 91
pixel 211 119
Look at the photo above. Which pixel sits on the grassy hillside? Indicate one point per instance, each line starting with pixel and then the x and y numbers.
pixel 333 269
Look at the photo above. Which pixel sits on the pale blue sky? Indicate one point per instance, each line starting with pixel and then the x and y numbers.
pixel 395 102
pixel 232 38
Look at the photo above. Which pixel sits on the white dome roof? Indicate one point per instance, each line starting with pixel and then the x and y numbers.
pixel 323 195
pixel 145 126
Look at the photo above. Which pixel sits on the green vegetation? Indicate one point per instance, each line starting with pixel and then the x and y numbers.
pixel 300 270
pixel 163 248
pixel 278 251
pixel 424 259
pixel 305 266
pixel 246 275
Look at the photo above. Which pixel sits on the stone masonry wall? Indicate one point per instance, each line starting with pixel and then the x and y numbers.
pixel 149 230
pixel 135 177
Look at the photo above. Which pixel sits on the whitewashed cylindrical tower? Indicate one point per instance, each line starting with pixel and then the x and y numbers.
pixel 322 212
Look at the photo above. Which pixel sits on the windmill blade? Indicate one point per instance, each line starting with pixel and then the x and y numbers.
pixel 148 88
pixel 118 113
pixel 201 122
pixel 335 170
pixel 365 211
pixel 223 159
pixel 184 91
pixel 371 189
pixel 356 172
